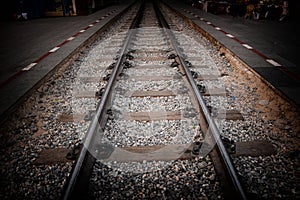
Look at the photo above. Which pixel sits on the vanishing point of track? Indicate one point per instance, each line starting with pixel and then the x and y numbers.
pixel 129 68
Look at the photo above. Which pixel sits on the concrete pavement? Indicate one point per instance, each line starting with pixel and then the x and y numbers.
pixel 269 47
pixel 29 50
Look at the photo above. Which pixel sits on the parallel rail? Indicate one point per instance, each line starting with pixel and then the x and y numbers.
pixel 76 186
pixel 212 126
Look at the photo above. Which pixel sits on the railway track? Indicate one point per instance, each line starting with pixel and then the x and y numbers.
pixel 151 124
pixel 148 136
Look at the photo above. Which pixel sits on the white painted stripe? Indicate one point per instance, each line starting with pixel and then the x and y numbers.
pixel 247 46
pixel 91 25
pixel 97 21
pixel 276 64
pixel 208 22
pixel 218 28
pixel 81 31
pixel 201 18
pixel 54 49
pixel 71 38
pixel 29 66
pixel 196 15
pixel 229 35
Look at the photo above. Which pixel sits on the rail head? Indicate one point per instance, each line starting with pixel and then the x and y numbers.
pixel 211 123
pixel 99 117
pixel 73 186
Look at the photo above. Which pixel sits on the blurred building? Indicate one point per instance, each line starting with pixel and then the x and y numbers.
pixel 10 9
pixel 267 9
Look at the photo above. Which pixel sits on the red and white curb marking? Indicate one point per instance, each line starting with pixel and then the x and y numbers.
pixel 54 49
pixel 29 66
pixel 70 38
pixel 247 46
pixel 229 35
pixel 272 62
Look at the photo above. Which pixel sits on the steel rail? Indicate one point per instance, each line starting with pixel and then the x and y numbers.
pixel 73 189
pixel 212 126
pixel 100 115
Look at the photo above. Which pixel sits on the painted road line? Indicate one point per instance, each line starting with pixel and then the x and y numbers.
pixel 273 62
pixel 28 67
pixel 42 57
pixel 266 58
pixel 54 49
pixel 63 43
pixel 247 46
pixel 239 41
pixel 229 35
pixel 260 54
pixel 71 38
